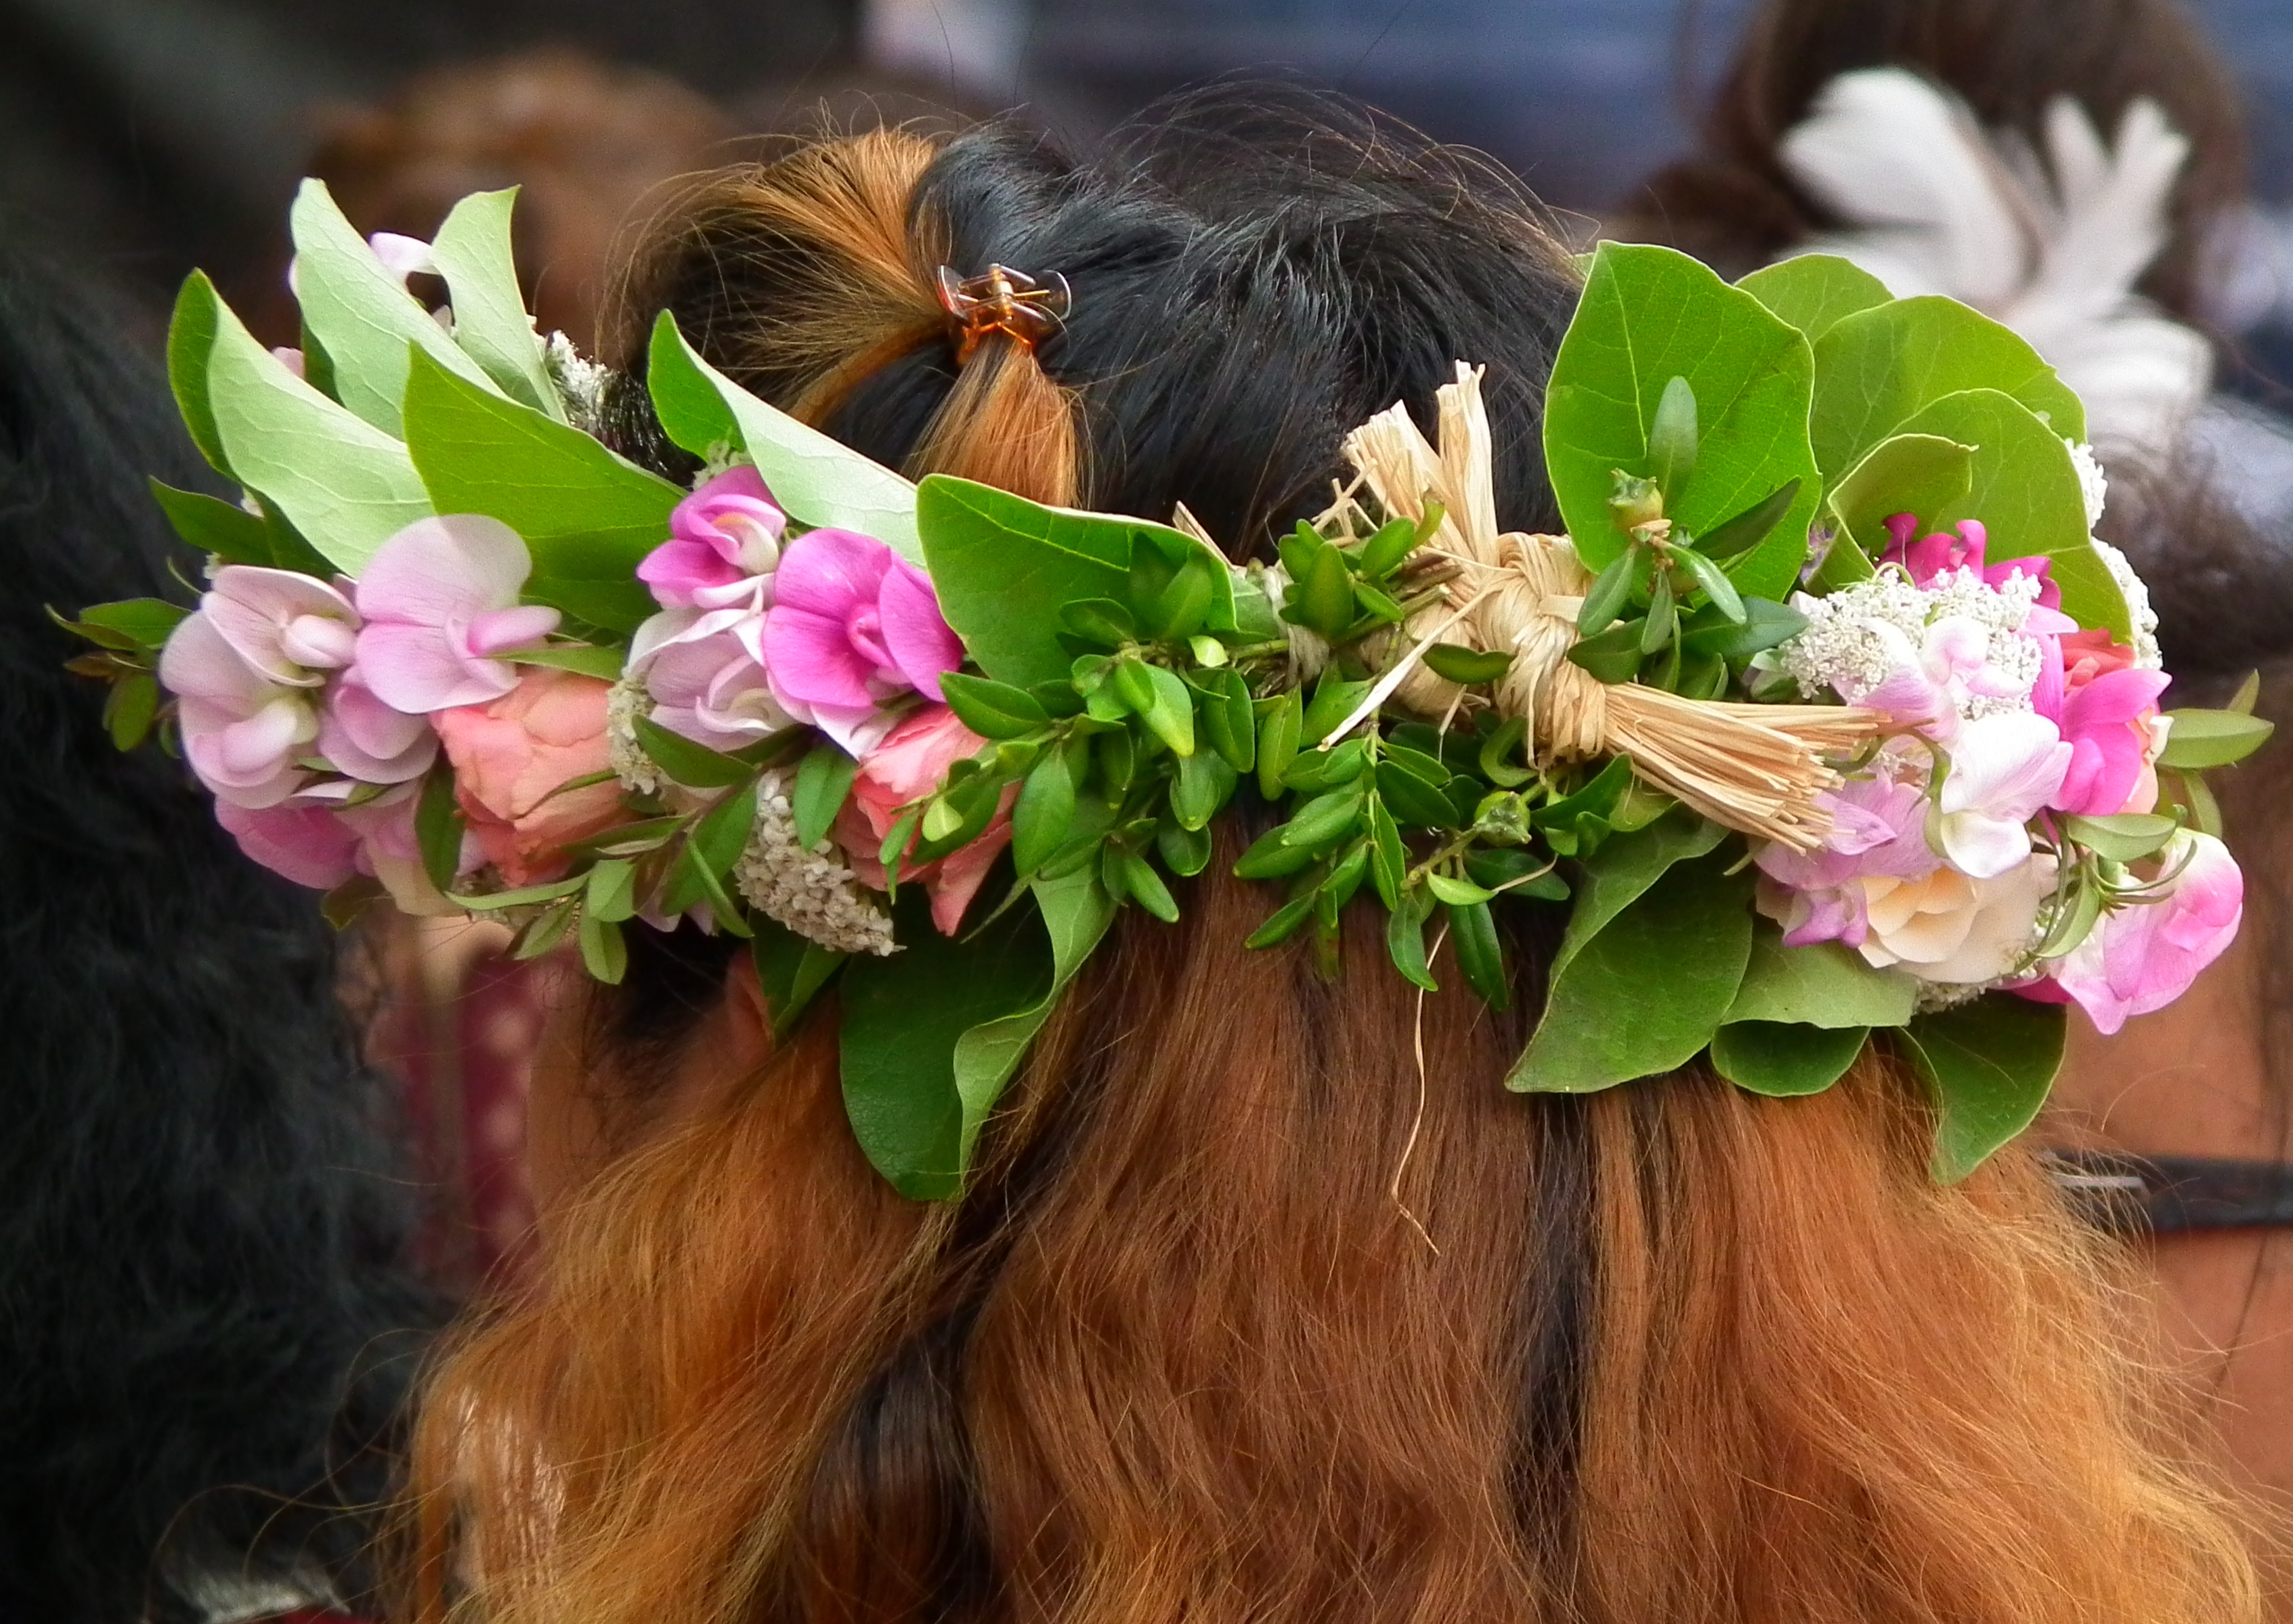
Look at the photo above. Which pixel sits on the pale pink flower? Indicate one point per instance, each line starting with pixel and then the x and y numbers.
pixel 2004 769
pixel 440 602
pixel 1877 830
pixel 362 738
pixel 1948 927
pixel 1931 686
pixel 852 625
pixel 243 733
pixel 513 758
pixel 402 256
pixel 713 691
pixel 292 628
pixel 310 845
pixel 724 545
pixel 910 764
pixel 2142 956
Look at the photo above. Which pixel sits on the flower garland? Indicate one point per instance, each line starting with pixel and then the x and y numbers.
pixel 1808 778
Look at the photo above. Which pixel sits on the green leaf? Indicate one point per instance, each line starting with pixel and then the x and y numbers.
pixel 1172 713
pixel 1271 857
pixel 1642 991
pixel 362 315
pixel 438 825
pixel 611 895
pixel 1649 316
pixel 212 525
pixel 1005 567
pixel 1610 591
pixel 1765 624
pixel 2025 489
pixel 1467 667
pixel 192 333
pixel 1323 819
pixel 993 709
pixel 1099 620
pixel 1204 784
pixel 1456 893
pixel 1147 887
pixel 2124 837
pixel 1227 722
pixel 1516 874
pixel 933 1033
pixel 1414 801
pixel 545 931
pixel 589 515
pixel 1283 923
pixel 603 953
pixel 1494 757
pixel 1043 813
pixel 2201 739
pixel 1278 735
pixel 1716 585
pixel 1324 600
pixel 144 622
pixel 604 663
pixel 1813 291
pixel 1752 526
pixel 1877 369
pixel 1843 564
pixel 720 838
pixel 1990 1063
pixel 344 485
pixel 1614 655
pixel 1916 474
pixel 1180 609
pixel 129 709
pixel 1671 437
pixel 823 779
pixel 1823 985
pixel 695 765
pixel 817 479
pixel 791 970
pixel 1383 552
pixel 1185 851
pixel 1783 1060
pixel 1473 938
pixel 474 254
pixel 1404 940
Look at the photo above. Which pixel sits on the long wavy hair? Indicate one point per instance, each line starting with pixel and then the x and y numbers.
pixel 1266 1301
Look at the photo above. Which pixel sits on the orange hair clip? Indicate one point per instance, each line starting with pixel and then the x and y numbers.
pixel 1005 301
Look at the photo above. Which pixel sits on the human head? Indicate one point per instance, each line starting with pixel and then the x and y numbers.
pixel 210 1312
pixel 1243 1314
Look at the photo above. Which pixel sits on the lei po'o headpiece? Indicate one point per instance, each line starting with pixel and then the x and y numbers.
pixel 1827 717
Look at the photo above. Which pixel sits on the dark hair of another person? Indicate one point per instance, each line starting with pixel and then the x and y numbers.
pixel 1734 205
pixel 200 1245
pixel 1181 1353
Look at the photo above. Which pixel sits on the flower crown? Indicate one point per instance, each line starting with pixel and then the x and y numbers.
pixel 1811 766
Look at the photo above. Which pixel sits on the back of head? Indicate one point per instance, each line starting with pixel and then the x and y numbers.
pixel 1736 204
pixel 200 1248
pixel 1264 1301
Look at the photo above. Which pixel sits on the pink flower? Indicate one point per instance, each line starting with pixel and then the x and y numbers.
pixel 1939 555
pixel 440 599
pixel 910 764
pixel 724 542
pixel 712 690
pixel 292 628
pixel 2002 771
pixel 2142 956
pixel 1931 686
pixel 1950 927
pixel 310 845
pixel 243 733
pixel 1878 831
pixel 513 758
pixel 2106 707
pixel 367 740
pixel 852 625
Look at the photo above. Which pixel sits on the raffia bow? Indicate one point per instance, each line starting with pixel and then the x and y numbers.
pixel 1754 768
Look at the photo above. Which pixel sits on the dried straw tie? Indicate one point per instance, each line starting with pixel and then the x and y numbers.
pixel 1754 768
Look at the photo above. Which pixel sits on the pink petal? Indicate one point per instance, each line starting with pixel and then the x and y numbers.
pixel 199 661
pixel 253 608
pixel 308 845
pixel 832 573
pixel 922 643
pixel 811 658
pixel 504 629
pixel 960 874
pixel 456 565
pixel 419 670
pixel 402 256
pixel 371 741
pixel 677 570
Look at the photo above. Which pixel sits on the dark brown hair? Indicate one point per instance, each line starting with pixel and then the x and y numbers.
pixel 1266 1301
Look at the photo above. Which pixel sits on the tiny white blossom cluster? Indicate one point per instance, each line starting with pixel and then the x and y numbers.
pixel 581 382
pixel 1847 648
pixel 809 891
pixel 2146 653
pixel 2094 485
pixel 627 702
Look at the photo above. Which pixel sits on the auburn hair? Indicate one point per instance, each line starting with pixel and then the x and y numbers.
pixel 1266 1301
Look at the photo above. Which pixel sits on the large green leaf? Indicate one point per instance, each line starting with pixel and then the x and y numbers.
pixel 1877 370
pixel 1004 566
pixel 904 1017
pixel 342 483
pixel 1625 866
pixel 589 516
pixel 1918 474
pixel 1990 1063
pixel 1649 315
pixel 1814 291
pixel 361 315
pixel 1646 992
pixel 474 254
pixel 817 480
pixel 2024 488
pixel 1785 1061
pixel 1825 984
pixel 191 341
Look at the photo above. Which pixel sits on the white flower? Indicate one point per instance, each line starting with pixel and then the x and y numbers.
pixel 1950 927
pixel 2146 654
pixel 2003 769
pixel 809 891
pixel 629 701
pixel 1857 638
pixel 2094 485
